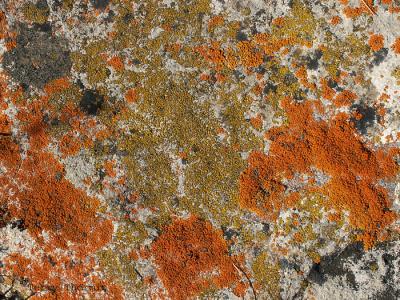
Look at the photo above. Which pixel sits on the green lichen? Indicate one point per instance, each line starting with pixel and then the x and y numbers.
pixel 169 115
pixel 36 13
pixel 119 266
pixel 342 54
pixel 267 275
pixel 92 63
pixel 300 25
pixel 396 74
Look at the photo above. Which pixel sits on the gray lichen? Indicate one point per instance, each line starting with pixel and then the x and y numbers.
pixel 37 58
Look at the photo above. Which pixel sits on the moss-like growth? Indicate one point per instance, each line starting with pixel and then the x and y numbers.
pixel 36 13
pixel 267 275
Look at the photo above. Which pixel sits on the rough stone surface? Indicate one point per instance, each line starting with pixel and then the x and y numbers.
pixel 200 149
pixel 38 57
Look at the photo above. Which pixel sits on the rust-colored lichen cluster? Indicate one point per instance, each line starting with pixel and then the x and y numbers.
pixel 333 147
pixel 58 215
pixel 376 42
pixel 396 46
pixel 192 257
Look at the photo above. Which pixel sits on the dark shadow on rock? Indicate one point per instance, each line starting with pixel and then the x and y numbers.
pixel 333 265
pixel 91 102
pixel 379 56
pixel 313 60
pixel 38 57
pixel 100 4
pixel 367 117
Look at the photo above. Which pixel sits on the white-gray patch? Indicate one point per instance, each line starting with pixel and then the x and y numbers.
pixel 155 32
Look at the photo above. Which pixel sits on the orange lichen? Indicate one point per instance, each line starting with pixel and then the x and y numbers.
pixel 5 124
pixel 117 63
pixel 204 77
pixel 249 55
pixel 353 12
pixel 109 168
pixel 335 20
pixel 258 89
pixel 11 44
pixel 272 45
pixel 240 289
pixel 327 92
pixel 173 48
pixel 6 33
pixel 376 42
pixel 3 25
pixel 133 255
pixel 301 74
pixel 47 201
pixel 396 46
pixel 212 54
pixel 279 21
pixel 192 256
pixel 333 148
pixel 131 96
pixel 57 85
pixel 368 5
pixel 33 189
pixel 231 60
pixel 215 21
pixel 220 77
pixel 41 196
pixel 69 145
pixel 345 98
pixel 394 9
pixel 365 6
pixel 256 121
pixel 384 97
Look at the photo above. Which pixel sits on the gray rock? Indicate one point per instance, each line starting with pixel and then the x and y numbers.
pixel 37 58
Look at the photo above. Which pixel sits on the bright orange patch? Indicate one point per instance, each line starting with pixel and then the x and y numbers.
pixel 212 54
pixel 131 96
pixel 116 62
pixel 109 168
pixel 249 55
pixel 353 12
pixel 33 189
pixel 192 256
pixel 57 85
pixel 333 148
pixel 215 21
pixel 376 42
pixel 279 21
pixel 220 77
pixel 41 196
pixel 396 46
pixel 335 20
pixel 345 98
pixel 69 145
pixel 327 92
pixel 256 122
pixel 204 77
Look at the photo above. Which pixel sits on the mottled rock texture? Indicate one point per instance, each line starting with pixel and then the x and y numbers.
pixel 199 149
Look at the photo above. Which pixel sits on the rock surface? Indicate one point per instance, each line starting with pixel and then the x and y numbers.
pixel 199 149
